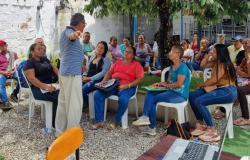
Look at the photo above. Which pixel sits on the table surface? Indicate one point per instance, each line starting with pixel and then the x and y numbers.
pixel 160 149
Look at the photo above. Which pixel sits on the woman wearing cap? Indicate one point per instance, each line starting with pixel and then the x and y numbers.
pixel 129 73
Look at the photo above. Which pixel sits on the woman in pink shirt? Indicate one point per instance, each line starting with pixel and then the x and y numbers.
pixel 129 73
pixel 114 49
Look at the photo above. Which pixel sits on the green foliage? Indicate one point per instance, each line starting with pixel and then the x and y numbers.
pixel 102 8
pixel 1 157
pixel 205 11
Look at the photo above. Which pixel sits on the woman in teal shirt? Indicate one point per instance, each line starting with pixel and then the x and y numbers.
pixel 178 83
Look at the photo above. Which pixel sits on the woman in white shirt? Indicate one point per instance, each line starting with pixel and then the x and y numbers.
pixel 188 55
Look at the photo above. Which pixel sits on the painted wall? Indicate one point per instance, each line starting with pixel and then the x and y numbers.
pixel 21 22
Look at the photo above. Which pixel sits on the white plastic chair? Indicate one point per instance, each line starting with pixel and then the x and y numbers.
pixel 47 105
pixel 228 107
pixel 125 115
pixel 91 105
pixel 180 107
pixel 207 73
pixel 22 89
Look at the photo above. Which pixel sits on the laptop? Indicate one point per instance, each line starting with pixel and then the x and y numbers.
pixel 190 150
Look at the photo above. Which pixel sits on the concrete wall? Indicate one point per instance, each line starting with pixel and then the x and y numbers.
pixel 21 22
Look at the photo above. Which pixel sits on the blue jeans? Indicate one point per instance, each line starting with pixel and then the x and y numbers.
pixel 86 89
pixel 52 97
pixel 124 96
pixel 3 93
pixel 193 66
pixel 199 100
pixel 152 98
pixel 16 90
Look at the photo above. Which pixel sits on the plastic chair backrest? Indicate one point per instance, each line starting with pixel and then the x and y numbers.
pixel 165 70
pixel 26 81
pixel 163 74
pixel 65 144
pixel 20 76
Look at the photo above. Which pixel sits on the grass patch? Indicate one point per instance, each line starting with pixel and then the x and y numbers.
pixel 240 144
pixel 150 79
pixel 1 157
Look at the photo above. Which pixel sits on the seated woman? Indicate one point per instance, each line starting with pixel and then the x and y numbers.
pixel 219 89
pixel 178 83
pixel 96 69
pixel 129 73
pixel 40 74
pixel 143 52
pixel 243 72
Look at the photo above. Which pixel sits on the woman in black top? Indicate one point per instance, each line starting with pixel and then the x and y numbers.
pixel 40 73
pixel 97 67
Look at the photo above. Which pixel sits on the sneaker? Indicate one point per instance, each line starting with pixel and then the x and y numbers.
pixel 143 120
pixel 13 97
pixel 150 131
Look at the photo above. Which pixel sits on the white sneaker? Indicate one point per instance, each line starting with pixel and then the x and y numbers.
pixel 150 131
pixel 143 120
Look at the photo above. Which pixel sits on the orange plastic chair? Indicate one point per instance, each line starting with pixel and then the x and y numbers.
pixel 68 142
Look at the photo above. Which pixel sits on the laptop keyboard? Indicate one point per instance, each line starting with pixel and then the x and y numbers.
pixel 194 151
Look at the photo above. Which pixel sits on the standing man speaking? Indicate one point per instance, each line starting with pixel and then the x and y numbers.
pixel 69 110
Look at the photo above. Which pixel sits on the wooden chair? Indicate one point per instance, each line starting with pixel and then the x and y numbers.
pixel 68 142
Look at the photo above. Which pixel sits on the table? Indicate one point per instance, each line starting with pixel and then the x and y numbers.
pixel 160 149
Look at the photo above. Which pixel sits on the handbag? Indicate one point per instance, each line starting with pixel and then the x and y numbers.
pixel 179 130
pixel 108 85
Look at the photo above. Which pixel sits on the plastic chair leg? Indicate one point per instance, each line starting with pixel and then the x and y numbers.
pixel 136 108
pixel 125 120
pixel 77 154
pixel 30 113
pixel 181 115
pixel 91 105
pixel 230 130
pixel 48 114
pixel 18 101
pixel 105 108
pixel 43 111
pixel 165 115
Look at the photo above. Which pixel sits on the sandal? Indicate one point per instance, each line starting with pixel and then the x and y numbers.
pixel 242 122
pixel 112 126
pixel 218 114
pixel 210 136
pixel 237 121
pixel 97 125
pixel 200 129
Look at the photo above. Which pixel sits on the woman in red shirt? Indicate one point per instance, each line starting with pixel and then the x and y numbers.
pixel 129 73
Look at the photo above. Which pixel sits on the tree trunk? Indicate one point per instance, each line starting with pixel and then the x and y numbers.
pixel 131 25
pixel 165 31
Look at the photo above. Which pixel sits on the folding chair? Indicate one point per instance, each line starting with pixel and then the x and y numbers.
pixel 68 142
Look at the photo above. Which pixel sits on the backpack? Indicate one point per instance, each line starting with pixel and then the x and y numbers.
pixel 179 130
